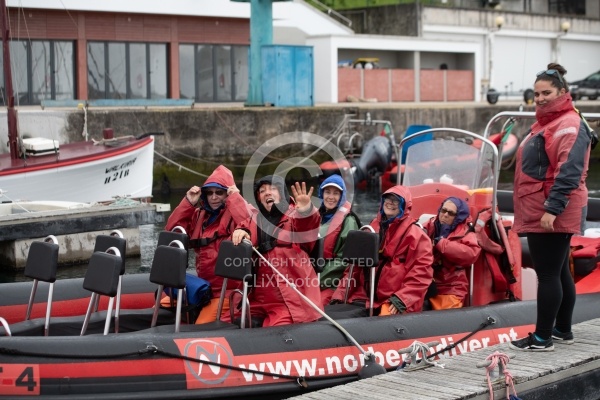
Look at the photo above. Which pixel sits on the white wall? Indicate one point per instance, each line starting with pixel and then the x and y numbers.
pixel 327 48
pixel 518 60
pixel 580 58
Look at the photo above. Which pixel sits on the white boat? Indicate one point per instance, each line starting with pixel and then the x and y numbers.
pixel 8 209
pixel 82 172
pixel 41 169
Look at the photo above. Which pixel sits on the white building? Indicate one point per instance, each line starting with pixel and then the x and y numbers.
pixel 504 49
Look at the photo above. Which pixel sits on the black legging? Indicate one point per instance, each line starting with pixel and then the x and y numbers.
pixel 556 289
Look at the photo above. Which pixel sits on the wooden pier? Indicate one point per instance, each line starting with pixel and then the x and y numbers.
pixel 75 228
pixel 569 372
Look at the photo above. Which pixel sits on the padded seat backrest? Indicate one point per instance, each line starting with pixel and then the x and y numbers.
pixel 104 242
pixel 102 275
pixel 234 262
pixel 168 266
pixel 361 249
pixel 316 255
pixel 166 237
pixel 42 261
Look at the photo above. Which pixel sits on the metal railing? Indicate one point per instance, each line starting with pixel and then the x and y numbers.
pixel 330 11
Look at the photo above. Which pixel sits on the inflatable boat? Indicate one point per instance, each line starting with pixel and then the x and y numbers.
pixel 144 351
pixel 376 165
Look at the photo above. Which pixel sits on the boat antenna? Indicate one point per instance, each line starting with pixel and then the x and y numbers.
pixel 371 366
pixel 11 112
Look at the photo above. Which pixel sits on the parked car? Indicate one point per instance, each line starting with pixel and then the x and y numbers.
pixel 366 63
pixel 588 87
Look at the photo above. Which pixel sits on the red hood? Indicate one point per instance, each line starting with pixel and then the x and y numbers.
pixel 222 176
pixel 403 192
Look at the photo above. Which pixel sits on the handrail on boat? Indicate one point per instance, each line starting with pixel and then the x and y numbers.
pixel 524 115
pixel 475 136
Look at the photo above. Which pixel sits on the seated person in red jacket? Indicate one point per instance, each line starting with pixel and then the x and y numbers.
pixel 405 255
pixel 284 231
pixel 209 215
pixel 455 248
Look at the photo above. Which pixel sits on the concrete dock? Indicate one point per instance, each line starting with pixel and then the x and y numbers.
pixel 569 372
pixel 75 228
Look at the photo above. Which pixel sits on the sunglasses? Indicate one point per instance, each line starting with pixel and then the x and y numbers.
pixel 449 212
pixel 391 200
pixel 552 72
pixel 218 192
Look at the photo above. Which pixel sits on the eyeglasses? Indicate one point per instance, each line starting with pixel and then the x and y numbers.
pixel 552 72
pixel 391 200
pixel 218 192
pixel 449 212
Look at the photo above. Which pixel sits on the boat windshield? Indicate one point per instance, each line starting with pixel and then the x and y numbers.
pixel 460 162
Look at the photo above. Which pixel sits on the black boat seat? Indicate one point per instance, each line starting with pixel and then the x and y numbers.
pixel 239 270
pixel 168 270
pixel 41 265
pixel 103 243
pixel 361 249
pixel 102 278
pixel 233 262
pixel 162 271
pixel 177 233
pixel 316 255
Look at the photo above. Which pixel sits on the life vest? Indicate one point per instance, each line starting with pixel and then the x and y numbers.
pixel 335 228
pixel 225 220
pixel 496 252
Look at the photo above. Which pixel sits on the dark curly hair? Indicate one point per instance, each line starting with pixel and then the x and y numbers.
pixel 555 75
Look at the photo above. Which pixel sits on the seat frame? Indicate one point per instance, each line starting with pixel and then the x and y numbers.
pixel 174 246
pixel 369 258
pixel 94 299
pixel 50 266
pixel 119 242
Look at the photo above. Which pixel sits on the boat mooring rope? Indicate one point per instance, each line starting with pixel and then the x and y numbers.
pixel 488 321
pixel 154 350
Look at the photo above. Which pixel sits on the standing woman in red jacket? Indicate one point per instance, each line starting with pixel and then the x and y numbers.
pixel 455 248
pixel 209 214
pixel 550 199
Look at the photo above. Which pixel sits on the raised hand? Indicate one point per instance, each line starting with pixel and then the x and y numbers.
pixel 301 197
pixel 232 189
pixel 193 195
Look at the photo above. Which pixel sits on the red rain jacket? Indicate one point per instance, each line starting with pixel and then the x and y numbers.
pixel 552 165
pixel 273 298
pixel 191 218
pixel 405 259
pixel 455 253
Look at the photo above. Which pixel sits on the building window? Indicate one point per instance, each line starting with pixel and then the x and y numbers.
pixel 41 70
pixel 213 73
pixel 572 7
pixel 127 70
